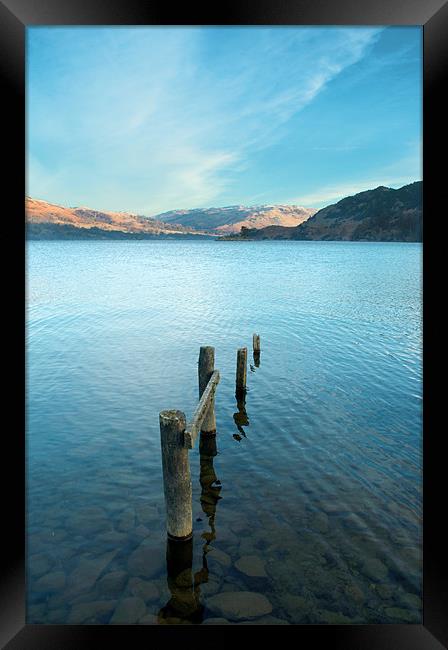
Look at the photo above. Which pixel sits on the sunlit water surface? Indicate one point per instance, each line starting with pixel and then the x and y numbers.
pixel 317 504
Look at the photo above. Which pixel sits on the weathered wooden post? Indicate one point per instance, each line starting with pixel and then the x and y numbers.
pixel 206 366
pixel 256 346
pixel 176 475
pixel 256 343
pixel 241 371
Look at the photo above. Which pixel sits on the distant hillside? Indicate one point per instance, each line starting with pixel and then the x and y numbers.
pixel 64 231
pixel 49 221
pixel 232 218
pixel 382 214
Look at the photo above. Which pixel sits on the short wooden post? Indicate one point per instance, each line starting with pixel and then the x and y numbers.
pixel 206 366
pixel 241 371
pixel 256 343
pixel 176 475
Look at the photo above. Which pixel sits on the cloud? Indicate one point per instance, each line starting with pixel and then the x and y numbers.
pixel 150 119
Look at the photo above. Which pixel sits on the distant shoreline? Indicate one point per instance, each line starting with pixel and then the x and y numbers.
pixel 209 239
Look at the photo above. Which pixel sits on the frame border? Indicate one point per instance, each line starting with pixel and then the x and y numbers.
pixel 15 16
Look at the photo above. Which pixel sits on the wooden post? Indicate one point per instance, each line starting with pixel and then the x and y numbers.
pixel 241 371
pixel 206 366
pixel 256 343
pixel 176 475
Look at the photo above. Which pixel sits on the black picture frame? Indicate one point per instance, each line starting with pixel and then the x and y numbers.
pixel 15 16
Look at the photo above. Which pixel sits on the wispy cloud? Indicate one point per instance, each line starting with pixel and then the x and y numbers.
pixel 151 119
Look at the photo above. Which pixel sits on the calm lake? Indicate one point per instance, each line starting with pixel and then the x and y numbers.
pixel 315 503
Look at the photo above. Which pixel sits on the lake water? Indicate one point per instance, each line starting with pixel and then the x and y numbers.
pixel 311 491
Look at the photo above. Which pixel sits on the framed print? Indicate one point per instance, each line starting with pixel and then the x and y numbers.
pixel 224 278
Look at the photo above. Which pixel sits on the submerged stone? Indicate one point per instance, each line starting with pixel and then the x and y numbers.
pixel 375 569
pixel 89 520
pixel 128 611
pixel 384 591
pixel 296 607
pixel 402 615
pixel 238 605
pixel 143 589
pixel 219 556
pixel 110 540
pixel 112 584
pixel 56 616
pixel 355 593
pixel 148 619
pixel 146 561
pixel 126 520
pixel 319 522
pixel 411 600
pixel 147 514
pixel 51 582
pixel 215 621
pixel 36 613
pixel 93 612
pixel 39 564
pixel 251 565
pixel 265 620
pixel 333 618
pixel 88 570
pixel 209 588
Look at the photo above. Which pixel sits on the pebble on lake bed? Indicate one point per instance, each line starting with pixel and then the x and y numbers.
pixel 319 522
pixel 51 582
pixel 215 621
pixel 148 619
pixel 148 591
pixel 87 572
pixel 239 605
pixel 402 615
pixel 112 584
pixel 128 611
pixel 39 564
pixel 265 620
pixel 219 556
pixel 375 569
pixel 146 561
pixel 92 612
pixel 251 565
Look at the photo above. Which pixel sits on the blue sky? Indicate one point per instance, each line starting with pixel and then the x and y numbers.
pixel 148 119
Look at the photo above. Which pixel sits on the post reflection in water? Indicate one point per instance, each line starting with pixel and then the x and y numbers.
pixel 184 604
pixel 211 486
pixel 240 417
pixel 257 358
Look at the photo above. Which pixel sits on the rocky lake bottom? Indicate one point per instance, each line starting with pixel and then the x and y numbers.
pixel 306 504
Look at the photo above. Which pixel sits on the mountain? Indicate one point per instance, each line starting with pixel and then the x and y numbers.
pixel 49 221
pixel 232 218
pixel 382 214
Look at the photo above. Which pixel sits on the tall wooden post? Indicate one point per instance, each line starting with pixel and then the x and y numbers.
pixel 206 366
pixel 241 371
pixel 176 475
